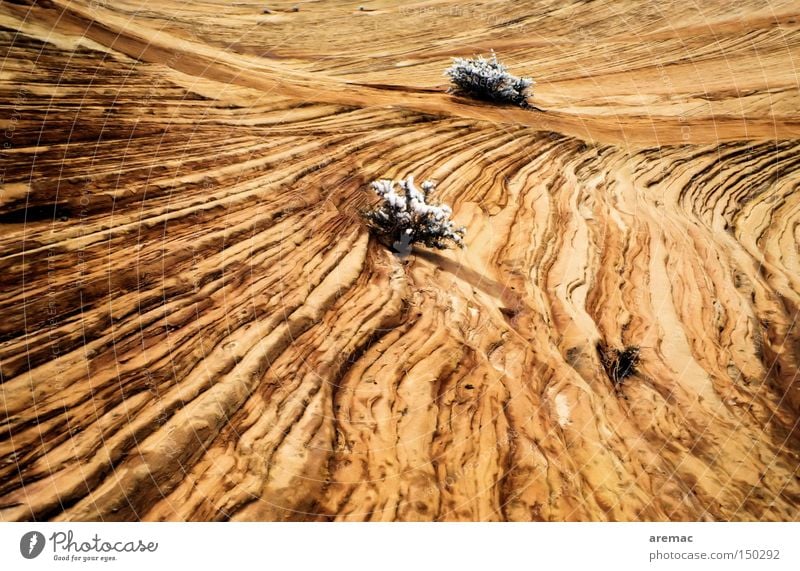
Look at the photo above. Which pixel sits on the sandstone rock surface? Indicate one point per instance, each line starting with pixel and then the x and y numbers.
pixel 197 326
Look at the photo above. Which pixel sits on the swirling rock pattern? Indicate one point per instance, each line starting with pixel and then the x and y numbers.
pixel 197 326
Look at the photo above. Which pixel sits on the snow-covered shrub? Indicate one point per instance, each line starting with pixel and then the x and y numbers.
pixel 488 79
pixel 404 218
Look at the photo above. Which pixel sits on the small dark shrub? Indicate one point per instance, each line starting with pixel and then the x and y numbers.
pixel 618 363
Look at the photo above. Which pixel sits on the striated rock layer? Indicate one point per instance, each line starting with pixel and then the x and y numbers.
pixel 197 326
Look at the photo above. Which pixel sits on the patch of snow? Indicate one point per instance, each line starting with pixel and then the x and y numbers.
pixel 562 410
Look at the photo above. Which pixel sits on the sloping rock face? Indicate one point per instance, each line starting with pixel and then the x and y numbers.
pixel 197 325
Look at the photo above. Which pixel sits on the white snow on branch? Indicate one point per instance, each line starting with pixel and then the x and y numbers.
pixel 405 216
pixel 484 78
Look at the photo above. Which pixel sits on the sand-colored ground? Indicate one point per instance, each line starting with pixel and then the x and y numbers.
pixel 196 324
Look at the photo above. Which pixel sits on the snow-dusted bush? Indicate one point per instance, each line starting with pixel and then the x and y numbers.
pixel 406 217
pixel 488 79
